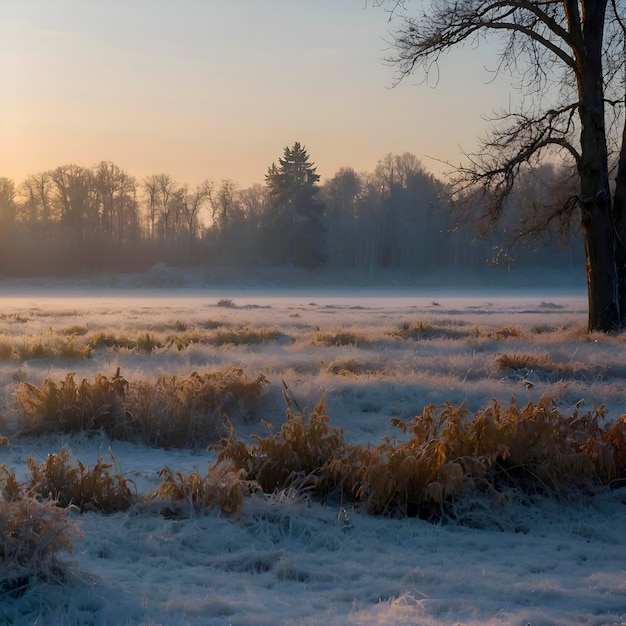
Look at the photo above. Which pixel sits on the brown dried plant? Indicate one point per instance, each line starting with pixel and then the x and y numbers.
pixel 11 489
pixel 420 330
pixel 243 336
pixel 33 535
pixel 194 410
pixel 341 337
pixel 449 454
pixel 44 346
pixel 93 489
pixel 68 406
pixel 406 477
pixel 220 487
pixel 175 411
pixel 543 362
pixel 304 451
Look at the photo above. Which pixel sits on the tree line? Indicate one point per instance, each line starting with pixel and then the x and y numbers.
pixel 75 219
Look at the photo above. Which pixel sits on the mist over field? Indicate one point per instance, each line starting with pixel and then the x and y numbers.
pixel 374 354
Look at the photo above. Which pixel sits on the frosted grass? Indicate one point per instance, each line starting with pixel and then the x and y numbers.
pixel 288 560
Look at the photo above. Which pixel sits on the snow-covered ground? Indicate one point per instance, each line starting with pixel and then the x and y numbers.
pixel 285 559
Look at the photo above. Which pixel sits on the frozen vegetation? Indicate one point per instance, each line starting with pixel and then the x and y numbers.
pixel 518 556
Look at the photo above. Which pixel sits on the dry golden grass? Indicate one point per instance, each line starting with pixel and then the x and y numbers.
pixel 46 346
pixel 33 535
pixel 173 412
pixel 341 337
pixel 420 330
pixel 195 410
pixel 146 342
pixel 346 367
pixel 244 336
pixel 184 494
pixel 68 406
pixel 102 339
pixel 514 361
pixel 77 330
pixel 300 453
pixel 3 440
pixel 11 489
pixel 506 332
pixel 93 489
pixel 497 452
pixel 443 457
pixel 416 330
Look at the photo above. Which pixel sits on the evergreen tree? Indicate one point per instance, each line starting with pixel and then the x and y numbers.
pixel 294 226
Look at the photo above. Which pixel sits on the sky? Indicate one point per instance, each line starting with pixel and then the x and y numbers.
pixel 216 89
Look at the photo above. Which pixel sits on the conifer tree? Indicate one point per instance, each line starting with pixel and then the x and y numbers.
pixel 294 225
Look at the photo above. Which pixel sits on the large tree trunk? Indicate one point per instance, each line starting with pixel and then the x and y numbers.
pixel 602 280
pixel 597 212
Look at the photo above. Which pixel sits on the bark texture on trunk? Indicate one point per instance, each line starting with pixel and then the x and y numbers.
pixel 602 279
pixel 587 31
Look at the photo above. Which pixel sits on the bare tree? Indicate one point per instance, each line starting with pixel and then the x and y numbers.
pixel 151 187
pixel 576 49
pixel 117 191
pixel 161 189
pixel 191 204
pixel 36 190
pixel 73 197
pixel 223 204
pixel 8 206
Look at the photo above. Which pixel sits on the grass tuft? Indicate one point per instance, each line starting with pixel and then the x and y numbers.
pixel 93 489
pixel 173 412
pixel 347 367
pixel 68 406
pixel 244 336
pixel 192 493
pixel 441 456
pixel 33 535
pixel 342 337
pixel 300 453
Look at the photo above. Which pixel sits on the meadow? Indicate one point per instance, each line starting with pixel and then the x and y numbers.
pixel 349 455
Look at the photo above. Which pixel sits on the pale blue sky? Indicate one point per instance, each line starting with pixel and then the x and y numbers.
pixel 217 88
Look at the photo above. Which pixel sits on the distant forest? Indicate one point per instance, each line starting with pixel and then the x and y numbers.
pixel 74 220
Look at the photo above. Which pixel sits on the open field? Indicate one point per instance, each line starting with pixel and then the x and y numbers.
pixel 377 359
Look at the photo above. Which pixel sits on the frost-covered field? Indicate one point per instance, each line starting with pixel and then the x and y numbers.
pixel 287 560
